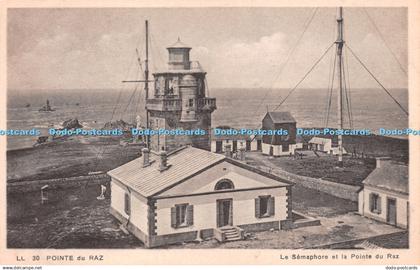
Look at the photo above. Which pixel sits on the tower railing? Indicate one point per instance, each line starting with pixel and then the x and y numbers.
pixel 206 103
pixel 164 104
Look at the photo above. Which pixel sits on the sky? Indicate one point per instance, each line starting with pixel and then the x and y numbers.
pixel 94 48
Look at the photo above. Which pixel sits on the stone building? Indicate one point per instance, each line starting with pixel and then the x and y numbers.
pixel 180 102
pixel 384 195
pixel 192 193
pixel 279 145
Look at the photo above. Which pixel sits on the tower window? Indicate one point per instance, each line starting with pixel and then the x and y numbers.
pixel 191 102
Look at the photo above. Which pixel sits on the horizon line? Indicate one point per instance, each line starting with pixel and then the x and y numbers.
pixel 213 88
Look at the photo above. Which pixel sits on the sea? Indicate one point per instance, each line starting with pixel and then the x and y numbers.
pixel 238 108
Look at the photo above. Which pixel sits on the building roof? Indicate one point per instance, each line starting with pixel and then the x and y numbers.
pixel 230 137
pixel 318 140
pixel 234 137
pixel 389 176
pixel 281 117
pixel 183 164
pixel 179 44
pixel 147 181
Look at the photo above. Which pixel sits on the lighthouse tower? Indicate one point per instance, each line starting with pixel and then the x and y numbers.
pixel 179 102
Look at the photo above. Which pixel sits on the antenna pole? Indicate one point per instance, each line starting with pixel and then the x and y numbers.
pixel 146 83
pixel 339 46
pixel 146 62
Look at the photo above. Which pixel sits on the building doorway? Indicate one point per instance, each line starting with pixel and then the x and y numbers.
pixel 235 146
pixel 219 146
pixel 224 212
pixel 259 147
pixel 391 216
pixel 248 145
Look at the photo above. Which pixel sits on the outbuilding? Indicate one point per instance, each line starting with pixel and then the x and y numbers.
pixel 320 144
pixel 384 195
pixel 279 145
pixel 192 193
pixel 247 142
pixel 324 145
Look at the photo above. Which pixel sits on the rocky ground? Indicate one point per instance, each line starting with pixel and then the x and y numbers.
pixel 74 156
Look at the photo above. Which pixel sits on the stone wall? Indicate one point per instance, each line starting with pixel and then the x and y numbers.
pixel 35 185
pixel 336 189
pixel 351 243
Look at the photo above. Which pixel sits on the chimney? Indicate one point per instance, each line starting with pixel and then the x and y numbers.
pixel 146 157
pixel 381 160
pixel 228 150
pixel 163 156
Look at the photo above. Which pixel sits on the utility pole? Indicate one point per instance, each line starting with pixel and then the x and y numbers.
pixel 146 62
pixel 146 83
pixel 339 45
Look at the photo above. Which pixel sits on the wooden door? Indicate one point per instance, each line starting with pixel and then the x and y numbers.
pixel 224 212
pixel 391 216
pixel 219 145
pixel 248 145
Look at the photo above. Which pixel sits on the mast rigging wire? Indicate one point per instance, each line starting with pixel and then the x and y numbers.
pixel 347 82
pixel 384 41
pixel 349 89
pixel 288 57
pixel 331 78
pixel 102 150
pixel 304 77
pixel 331 91
pixel 373 76
pixel 346 97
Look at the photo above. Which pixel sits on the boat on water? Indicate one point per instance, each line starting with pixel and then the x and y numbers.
pixel 46 107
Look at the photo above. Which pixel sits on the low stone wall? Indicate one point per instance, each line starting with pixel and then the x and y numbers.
pixel 351 243
pixel 305 221
pixel 35 185
pixel 336 189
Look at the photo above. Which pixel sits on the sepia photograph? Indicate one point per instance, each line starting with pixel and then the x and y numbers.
pixel 209 128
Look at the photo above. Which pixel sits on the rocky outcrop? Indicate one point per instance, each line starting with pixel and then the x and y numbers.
pixel 71 123
pixel 120 124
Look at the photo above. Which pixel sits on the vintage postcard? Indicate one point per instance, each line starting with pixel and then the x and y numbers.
pixel 225 132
